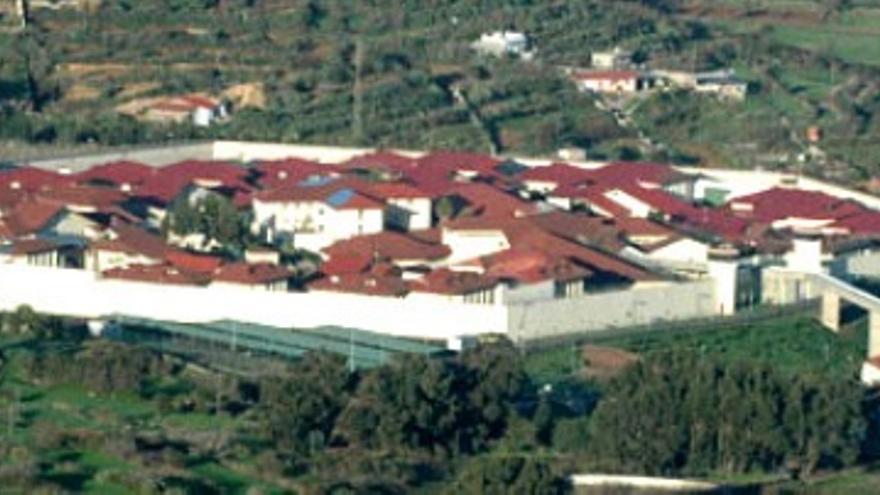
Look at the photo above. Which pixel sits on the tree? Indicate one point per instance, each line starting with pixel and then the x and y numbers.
pixel 299 411
pixel 415 402
pixel 23 320
pixel 39 68
pixel 214 217
pixel 508 475
pixel 498 379
pixel 680 414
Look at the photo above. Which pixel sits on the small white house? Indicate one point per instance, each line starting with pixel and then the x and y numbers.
pixel 610 81
pixel 202 111
pixel 501 43
pixel 611 59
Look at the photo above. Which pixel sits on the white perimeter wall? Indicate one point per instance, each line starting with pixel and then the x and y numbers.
pixel 82 294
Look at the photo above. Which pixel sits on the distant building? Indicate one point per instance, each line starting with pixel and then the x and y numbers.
pixel 502 43
pixel 202 111
pixel 722 83
pixel 611 81
pixel 724 87
pixel 615 59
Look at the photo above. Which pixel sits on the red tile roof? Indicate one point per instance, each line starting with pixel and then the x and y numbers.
pixel 531 266
pixel 340 194
pixel 157 274
pixel 861 223
pixel 11 197
pixel 83 196
pixel 31 246
pixel 642 227
pixel 593 197
pixel 199 101
pixel 32 179
pixel 362 283
pixel 251 273
pixel 781 203
pixel 714 221
pixel 132 240
pixel 121 172
pixel 582 229
pixel 559 173
pixel 30 216
pixel 636 173
pixel 381 160
pixel 170 181
pixel 488 201
pixel 522 233
pixel 395 190
pixel 658 200
pixel 454 160
pixel 610 75
pixel 448 282
pixel 289 172
pixel 347 262
pixel 388 245
pixel 193 263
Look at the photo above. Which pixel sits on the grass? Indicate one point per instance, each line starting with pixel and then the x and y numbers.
pixel 853 47
pixel 85 462
pixel 795 344
pixel 861 481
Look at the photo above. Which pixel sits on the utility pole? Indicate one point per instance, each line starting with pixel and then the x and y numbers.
pixel 357 124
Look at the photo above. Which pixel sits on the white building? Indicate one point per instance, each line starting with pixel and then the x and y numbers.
pixel 612 59
pixel 503 43
pixel 202 111
pixel 611 81
pixel 313 222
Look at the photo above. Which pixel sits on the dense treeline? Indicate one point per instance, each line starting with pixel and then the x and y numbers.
pixel 473 422
pixel 685 415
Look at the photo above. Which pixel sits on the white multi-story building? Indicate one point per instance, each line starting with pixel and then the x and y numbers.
pixel 316 219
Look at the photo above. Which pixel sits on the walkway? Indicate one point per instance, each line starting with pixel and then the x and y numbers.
pixel 834 291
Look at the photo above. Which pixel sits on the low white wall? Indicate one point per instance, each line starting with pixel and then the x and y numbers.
pixel 80 293
pixel 608 310
pixel 642 482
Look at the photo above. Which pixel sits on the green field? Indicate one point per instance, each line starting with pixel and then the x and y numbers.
pixel 83 439
pixel 796 344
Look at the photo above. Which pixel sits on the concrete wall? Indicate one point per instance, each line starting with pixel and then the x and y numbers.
pixel 247 151
pixel 780 286
pixel 860 264
pixel 157 155
pixel 603 311
pixel 82 294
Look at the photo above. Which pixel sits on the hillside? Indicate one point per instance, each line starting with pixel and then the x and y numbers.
pixel 339 72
